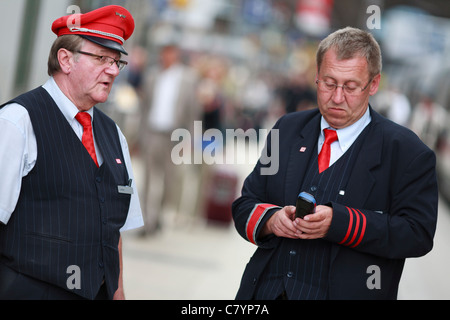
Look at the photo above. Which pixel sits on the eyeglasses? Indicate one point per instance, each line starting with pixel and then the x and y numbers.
pixel 350 90
pixel 105 59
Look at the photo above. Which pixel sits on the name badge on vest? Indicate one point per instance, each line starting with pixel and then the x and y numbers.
pixel 126 189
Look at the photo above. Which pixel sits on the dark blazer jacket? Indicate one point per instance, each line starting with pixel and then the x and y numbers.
pixel 388 212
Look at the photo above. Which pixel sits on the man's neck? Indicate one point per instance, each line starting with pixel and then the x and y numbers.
pixel 63 84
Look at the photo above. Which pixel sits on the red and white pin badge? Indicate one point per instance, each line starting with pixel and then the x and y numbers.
pixel 119 161
pixel 302 149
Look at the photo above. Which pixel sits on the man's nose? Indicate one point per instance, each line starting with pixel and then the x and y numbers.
pixel 338 95
pixel 113 70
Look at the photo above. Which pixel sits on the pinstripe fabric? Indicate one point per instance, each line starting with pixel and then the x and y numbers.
pixel 301 267
pixel 69 211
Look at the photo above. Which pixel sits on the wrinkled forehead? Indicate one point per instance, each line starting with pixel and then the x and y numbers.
pixel 333 64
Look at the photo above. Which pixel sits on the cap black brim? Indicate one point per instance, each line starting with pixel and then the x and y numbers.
pixel 110 44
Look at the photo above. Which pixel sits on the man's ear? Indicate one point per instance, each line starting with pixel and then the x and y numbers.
pixel 65 58
pixel 373 88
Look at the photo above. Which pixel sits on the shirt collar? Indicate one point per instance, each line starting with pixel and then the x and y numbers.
pixel 347 135
pixel 68 109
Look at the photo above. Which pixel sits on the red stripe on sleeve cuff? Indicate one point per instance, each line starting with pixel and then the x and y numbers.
pixel 363 229
pixel 255 218
pixel 353 231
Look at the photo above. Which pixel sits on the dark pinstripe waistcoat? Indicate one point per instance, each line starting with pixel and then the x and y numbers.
pixel 69 211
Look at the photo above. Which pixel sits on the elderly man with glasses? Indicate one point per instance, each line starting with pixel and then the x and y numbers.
pixel 373 181
pixel 68 190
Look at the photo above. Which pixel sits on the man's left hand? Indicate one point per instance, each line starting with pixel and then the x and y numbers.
pixel 315 225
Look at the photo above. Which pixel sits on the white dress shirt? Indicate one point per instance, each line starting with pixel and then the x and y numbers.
pixel 346 136
pixel 18 153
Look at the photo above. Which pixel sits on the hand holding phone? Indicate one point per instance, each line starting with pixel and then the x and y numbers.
pixel 306 204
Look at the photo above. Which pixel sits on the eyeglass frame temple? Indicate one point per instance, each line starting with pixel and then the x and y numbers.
pixel 116 61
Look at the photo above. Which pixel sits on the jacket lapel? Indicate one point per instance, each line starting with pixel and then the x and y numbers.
pixel 303 148
pixel 361 179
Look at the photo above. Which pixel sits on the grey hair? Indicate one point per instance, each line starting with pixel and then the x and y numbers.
pixel 70 42
pixel 350 42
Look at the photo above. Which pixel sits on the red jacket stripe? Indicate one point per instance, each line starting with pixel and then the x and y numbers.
pixel 363 229
pixel 359 228
pixel 349 226
pixel 355 232
pixel 255 218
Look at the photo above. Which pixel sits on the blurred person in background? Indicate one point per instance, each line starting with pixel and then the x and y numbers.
pixel 394 105
pixel 297 93
pixel 373 180
pixel 429 121
pixel 68 189
pixel 168 103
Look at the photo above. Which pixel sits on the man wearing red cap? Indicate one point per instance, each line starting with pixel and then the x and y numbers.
pixel 68 188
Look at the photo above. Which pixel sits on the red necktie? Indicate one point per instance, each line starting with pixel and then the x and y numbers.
pixel 324 155
pixel 88 140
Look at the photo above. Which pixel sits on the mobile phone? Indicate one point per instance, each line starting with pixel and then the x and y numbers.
pixel 306 204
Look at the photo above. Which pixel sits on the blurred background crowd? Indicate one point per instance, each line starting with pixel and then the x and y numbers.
pixel 237 64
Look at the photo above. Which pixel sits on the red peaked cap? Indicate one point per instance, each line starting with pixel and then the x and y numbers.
pixel 108 26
